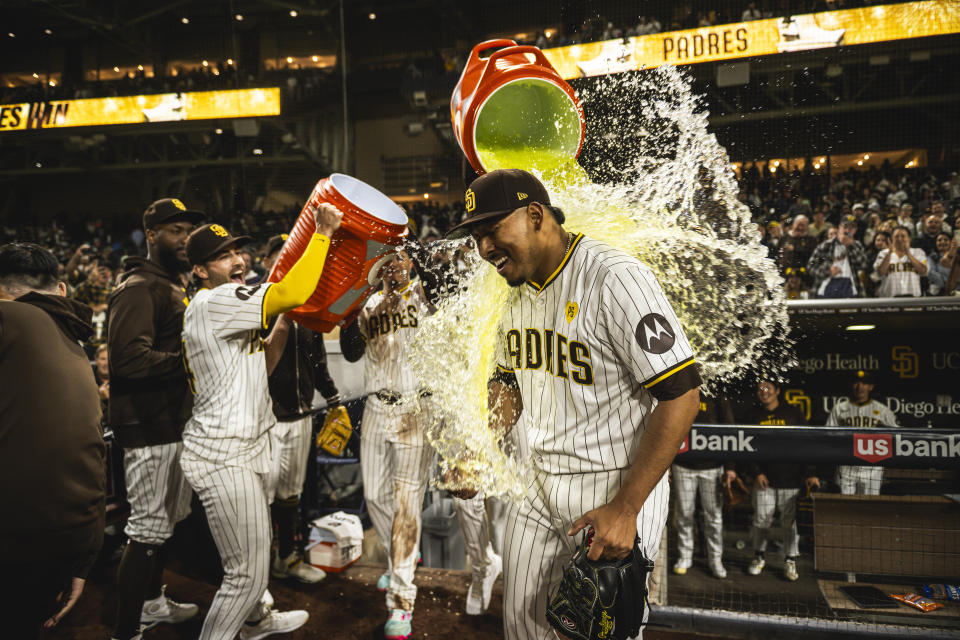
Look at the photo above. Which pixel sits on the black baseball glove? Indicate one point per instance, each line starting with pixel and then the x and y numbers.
pixel 603 599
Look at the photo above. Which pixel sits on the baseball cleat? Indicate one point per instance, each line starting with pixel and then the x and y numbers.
pixel 293 566
pixel 275 622
pixel 756 566
pixel 399 625
pixel 478 596
pixel 681 566
pixel 717 569
pixel 164 609
pixel 790 570
pixel 383 583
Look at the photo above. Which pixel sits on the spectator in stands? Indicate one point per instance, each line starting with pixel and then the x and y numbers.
pixel 819 224
pixel 906 211
pixel 900 267
pixel 880 242
pixel 52 462
pixel 905 219
pixel 101 375
pixel 798 245
pixel 860 411
pixel 774 238
pixel 836 263
pixel 940 262
pixel 928 228
pixel 873 226
pixel 751 13
pixel 796 283
pixel 94 292
pixel 704 478
pixel 776 485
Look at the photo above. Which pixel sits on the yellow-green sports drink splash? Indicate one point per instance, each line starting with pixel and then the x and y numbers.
pixel 674 206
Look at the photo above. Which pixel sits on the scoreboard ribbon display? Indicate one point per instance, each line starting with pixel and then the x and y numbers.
pixel 805 32
pixel 917 448
pixel 161 107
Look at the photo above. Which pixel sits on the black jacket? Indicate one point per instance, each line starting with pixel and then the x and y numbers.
pixel 150 397
pixel 301 370
pixel 52 455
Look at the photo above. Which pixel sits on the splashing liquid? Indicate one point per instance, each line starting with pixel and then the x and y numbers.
pixel 662 191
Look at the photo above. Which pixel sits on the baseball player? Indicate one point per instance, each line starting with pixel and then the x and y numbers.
pixel 859 410
pixel 226 443
pixel 777 484
pixel 149 404
pixel 703 478
pixel 301 371
pixel 590 348
pixel 395 455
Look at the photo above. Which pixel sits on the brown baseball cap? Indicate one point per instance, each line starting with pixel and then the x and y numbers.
pixel 498 193
pixel 275 244
pixel 209 240
pixel 169 210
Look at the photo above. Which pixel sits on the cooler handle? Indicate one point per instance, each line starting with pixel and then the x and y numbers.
pixel 489 44
pixel 509 51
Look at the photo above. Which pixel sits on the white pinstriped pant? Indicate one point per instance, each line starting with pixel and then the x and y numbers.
pixel 765 502
pixel 290 441
pixel 686 484
pixel 537 546
pixel 472 515
pixel 859 479
pixel 235 501
pixel 158 494
pixel 395 461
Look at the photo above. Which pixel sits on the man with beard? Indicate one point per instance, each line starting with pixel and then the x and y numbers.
pixel 150 402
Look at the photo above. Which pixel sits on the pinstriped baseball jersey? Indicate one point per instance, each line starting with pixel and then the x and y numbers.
pixel 585 346
pixel 223 352
pixel 389 323
pixel 847 413
pixel 902 278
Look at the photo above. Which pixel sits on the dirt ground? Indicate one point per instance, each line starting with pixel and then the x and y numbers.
pixel 344 606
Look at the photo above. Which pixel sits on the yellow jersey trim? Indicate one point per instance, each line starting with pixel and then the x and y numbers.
pixel 563 263
pixel 669 372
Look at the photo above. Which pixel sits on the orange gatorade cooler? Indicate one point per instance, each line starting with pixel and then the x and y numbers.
pixel 512 105
pixel 373 226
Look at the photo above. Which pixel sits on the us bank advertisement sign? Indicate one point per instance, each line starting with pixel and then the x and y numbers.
pixel 916 375
pixel 824 30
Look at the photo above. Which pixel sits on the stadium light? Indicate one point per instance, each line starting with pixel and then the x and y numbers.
pixel 205 63
pixel 866 156
pixel 859 163
pixel 293 13
pixel 315 58
pixel 116 69
pixel 289 60
pixel 218 131
pixel 822 160
pixel 861 327
pixel 53 83
pixel 11 34
pixel 239 17
pixel 426 196
pixel 139 67
pixel 372 16
pixel 230 61
pixel 185 20
pixel 816 165
pixel 48 32
pixel 36 75
pixel 258 151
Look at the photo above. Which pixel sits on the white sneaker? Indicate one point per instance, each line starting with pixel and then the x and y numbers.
pixel 164 609
pixel 756 566
pixel 717 569
pixel 681 566
pixel 293 566
pixel 275 622
pixel 478 596
pixel 790 570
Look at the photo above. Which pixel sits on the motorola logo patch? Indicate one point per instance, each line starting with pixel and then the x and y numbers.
pixel 654 334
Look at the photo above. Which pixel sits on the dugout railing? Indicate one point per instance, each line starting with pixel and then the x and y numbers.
pixel 897 541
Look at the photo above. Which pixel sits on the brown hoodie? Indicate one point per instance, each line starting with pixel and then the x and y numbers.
pixel 150 398
pixel 52 469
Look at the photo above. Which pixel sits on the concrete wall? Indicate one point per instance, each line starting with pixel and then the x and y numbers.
pixel 386 137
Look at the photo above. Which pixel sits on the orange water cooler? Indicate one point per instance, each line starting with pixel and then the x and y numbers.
pixel 372 227
pixel 514 100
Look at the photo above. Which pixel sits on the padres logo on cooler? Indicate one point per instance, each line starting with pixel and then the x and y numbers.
pixel 654 334
pixel 178 204
pixel 218 230
pixel 470 200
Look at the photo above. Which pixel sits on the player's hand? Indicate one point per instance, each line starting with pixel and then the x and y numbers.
pixel 327 219
pixel 728 477
pixel 614 531
pixel 761 481
pixel 812 482
pixel 68 600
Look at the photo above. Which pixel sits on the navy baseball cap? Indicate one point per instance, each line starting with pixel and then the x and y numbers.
pixel 496 194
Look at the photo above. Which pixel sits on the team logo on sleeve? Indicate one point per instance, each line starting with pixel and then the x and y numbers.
pixel 654 334
pixel 571 311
